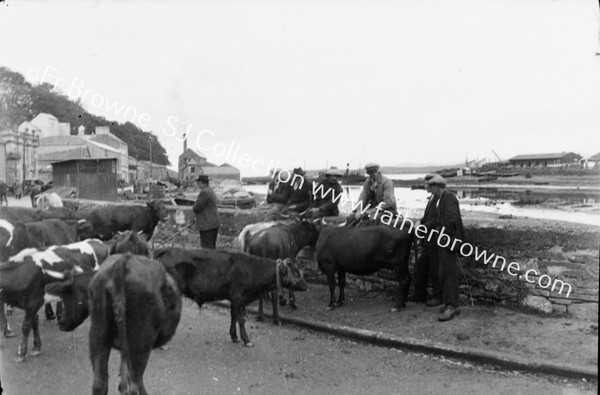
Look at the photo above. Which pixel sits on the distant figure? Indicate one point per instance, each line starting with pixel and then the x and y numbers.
pixel 327 196
pixel 278 194
pixel 301 192
pixel 17 189
pixel 35 190
pixel 3 191
pixel 207 217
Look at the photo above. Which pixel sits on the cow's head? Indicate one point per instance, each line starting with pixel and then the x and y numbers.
pixel 85 230
pixel 290 276
pixel 73 292
pixel 129 241
pixel 159 209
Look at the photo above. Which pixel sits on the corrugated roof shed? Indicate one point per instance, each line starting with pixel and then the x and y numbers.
pixel 556 155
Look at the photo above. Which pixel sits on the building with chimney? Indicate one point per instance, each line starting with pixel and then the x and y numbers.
pixel 192 163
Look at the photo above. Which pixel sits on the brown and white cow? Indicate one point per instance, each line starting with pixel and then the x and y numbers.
pixel 23 277
pixel 207 275
pixel 134 306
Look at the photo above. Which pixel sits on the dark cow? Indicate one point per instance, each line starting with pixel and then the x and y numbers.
pixel 23 277
pixel 108 220
pixel 134 306
pixel 129 241
pixel 207 275
pixel 363 251
pixel 26 214
pixel 278 242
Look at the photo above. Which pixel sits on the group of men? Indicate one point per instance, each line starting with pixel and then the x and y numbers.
pixel 436 265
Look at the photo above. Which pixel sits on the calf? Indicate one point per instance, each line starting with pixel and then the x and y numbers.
pixel 278 242
pixel 106 221
pixel 363 251
pixel 134 306
pixel 23 277
pixel 208 275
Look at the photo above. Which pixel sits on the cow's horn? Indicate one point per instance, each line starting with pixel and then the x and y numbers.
pixel 323 222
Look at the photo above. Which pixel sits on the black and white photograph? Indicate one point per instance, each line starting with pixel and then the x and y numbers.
pixel 299 197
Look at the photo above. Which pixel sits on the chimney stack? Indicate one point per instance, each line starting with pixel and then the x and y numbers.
pixel 184 142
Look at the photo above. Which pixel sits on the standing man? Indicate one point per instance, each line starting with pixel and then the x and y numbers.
pixel 428 266
pixel 327 196
pixel 18 191
pixel 3 192
pixel 207 218
pixel 450 222
pixel 377 190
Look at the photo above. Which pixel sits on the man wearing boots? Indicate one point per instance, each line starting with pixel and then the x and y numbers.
pixel 450 223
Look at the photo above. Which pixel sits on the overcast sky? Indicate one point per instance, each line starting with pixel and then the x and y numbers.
pixel 325 82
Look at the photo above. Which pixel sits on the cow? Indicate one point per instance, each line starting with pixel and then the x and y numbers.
pixel 363 251
pixel 16 236
pixel 108 220
pixel 207 275
pixel 134 306
pixel 280 241
pixel 129 241
pixel 23 277
pixel 26 214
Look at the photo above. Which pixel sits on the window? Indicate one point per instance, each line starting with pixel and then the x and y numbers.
pixel 192 169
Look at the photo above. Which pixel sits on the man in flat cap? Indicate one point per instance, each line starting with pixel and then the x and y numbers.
pixel 207 217
pixel 377 190
pixel 450 223
pixel 300 195
pixel 427 267
pixel 327 195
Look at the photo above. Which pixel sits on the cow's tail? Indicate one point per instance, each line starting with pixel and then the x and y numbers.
pixel 119 272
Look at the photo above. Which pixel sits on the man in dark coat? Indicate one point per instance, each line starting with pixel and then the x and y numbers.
pixel 427 267
pixel 450 223
pixel 278 194
pixel 3 192
pixel 327 196
pixel 207 217
pixel 301 192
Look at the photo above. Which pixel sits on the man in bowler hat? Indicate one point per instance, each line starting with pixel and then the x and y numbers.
pixel 207 218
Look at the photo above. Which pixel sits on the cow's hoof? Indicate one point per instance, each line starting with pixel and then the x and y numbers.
pixel 329 308
pixel 249 344
pixel 164 347
pixel 293 305
pixel 9 333
pixel 282 302
pixel 235 340
pixel 277 322
pixel 19 359
pixel 50 317
pixel 260 318
pixel 35 353
pixel 394 310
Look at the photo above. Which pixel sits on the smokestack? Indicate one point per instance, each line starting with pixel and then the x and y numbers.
pixel 184 142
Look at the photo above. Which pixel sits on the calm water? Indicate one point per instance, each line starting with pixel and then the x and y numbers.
pixel 411 203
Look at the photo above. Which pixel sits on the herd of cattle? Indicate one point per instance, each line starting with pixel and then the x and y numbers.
pixel 96 262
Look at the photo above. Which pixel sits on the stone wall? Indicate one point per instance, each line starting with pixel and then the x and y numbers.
pixel 568 256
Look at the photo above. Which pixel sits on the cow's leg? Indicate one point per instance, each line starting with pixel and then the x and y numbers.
pixel 48 311
pixel 341 284
pixel 261 316
pixel 99 354
pixel 329 271
pixel 292 298
pixel 25 329
pixel 4 327
pixel 59 308
pixel 241 317
pixel 37 341
pixel 276 319
pixel 139 361
pixel 403 276
pixel 232 328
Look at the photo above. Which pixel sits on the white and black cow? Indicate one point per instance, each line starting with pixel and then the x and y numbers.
pixel 107 220
pixel 23 277
pixel 134 306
